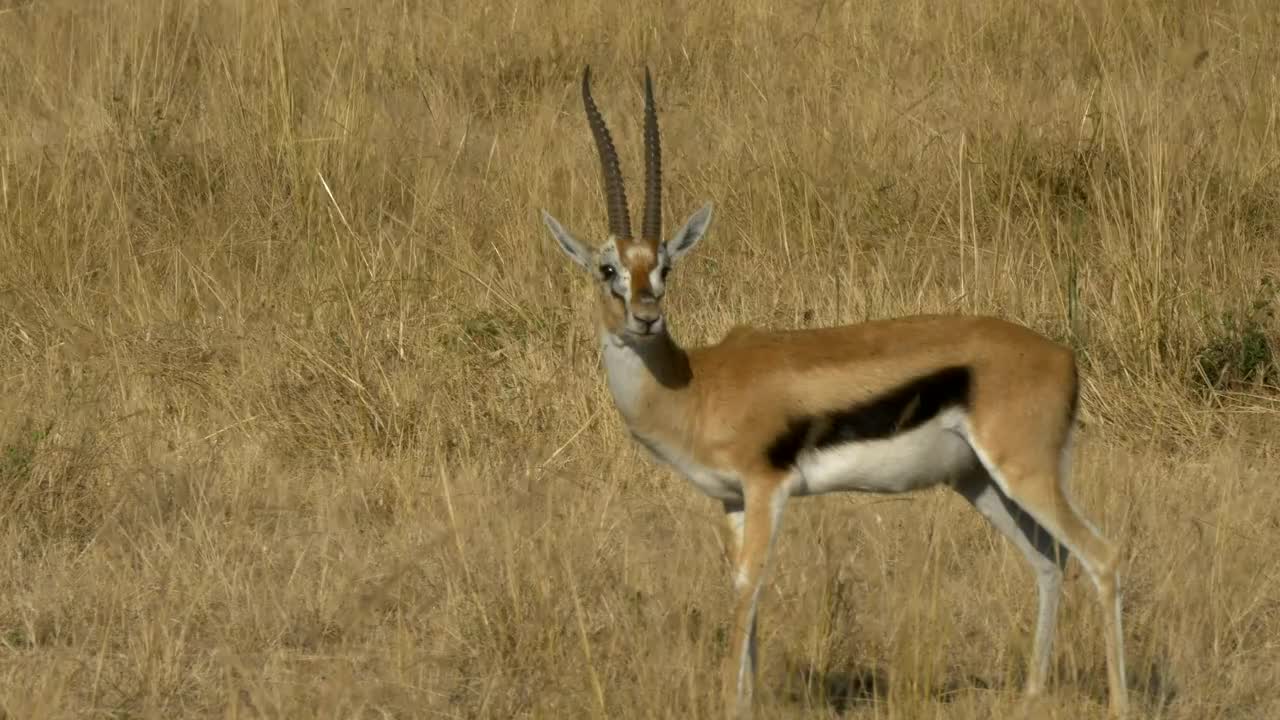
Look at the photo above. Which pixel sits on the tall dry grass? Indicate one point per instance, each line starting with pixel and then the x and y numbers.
pixel 302 415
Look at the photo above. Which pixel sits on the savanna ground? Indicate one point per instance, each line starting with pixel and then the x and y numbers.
pixel 302 412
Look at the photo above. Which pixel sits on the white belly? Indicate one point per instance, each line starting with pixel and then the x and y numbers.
pixel 935 452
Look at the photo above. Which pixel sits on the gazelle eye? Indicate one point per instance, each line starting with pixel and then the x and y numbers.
pixel 665 272
pixel 607 272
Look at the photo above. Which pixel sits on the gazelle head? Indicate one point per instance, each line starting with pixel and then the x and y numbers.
pixel 631 273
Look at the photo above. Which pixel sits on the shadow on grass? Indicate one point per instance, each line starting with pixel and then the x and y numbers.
pixel 1150 681
pixel 843 689
pixel 1153 685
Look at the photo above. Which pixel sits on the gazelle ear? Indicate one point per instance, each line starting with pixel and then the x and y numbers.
pixel 694 228
pixel 576 251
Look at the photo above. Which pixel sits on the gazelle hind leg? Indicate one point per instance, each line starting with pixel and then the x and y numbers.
pixel 1034 484
pixel 1047 558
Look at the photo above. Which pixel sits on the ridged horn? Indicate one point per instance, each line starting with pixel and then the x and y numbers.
pixel 651 229
pixel 615 194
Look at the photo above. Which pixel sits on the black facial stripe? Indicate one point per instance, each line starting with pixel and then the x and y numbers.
pixel 897 411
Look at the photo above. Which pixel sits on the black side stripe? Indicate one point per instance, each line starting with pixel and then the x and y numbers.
pixel 899 410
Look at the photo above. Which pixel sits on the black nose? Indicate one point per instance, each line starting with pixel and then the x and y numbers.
pixel 646 323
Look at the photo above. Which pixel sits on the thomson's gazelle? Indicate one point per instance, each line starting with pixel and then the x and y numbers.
pixel 976 403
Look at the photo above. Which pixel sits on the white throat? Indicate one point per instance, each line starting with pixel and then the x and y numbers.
pixel 645 370
pixel 626 373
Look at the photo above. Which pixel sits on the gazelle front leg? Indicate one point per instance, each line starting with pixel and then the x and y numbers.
pixel 754 524
pixel 734 516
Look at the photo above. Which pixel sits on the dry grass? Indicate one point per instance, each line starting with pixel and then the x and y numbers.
pixel 302 414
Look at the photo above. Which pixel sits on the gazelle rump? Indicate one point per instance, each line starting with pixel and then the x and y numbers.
pixel 978 404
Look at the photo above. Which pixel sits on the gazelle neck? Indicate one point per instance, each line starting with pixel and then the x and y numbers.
pixel 646 375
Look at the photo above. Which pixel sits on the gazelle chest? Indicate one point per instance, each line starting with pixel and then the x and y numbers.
pixel 719 484
pixel 655 417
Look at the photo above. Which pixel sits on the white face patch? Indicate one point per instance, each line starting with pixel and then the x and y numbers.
pixel 658 279
pixel 658 275
pixel 607 257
